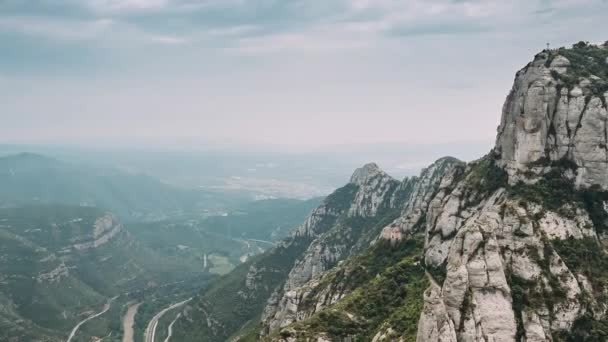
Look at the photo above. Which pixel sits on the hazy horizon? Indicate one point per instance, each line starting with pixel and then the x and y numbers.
pixel 289 74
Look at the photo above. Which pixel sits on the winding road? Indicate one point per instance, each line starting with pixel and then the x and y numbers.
pixel 170 329
pixel 106 307
pixel 150 332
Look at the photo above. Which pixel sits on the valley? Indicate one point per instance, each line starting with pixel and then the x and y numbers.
pixel 303 171
pixel 79 272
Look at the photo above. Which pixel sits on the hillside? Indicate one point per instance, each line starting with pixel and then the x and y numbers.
pixel 514 246
pixel 60 262
pixel 511 247
pixel 343 225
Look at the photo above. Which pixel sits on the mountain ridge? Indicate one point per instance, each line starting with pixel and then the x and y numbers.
pixel 510 247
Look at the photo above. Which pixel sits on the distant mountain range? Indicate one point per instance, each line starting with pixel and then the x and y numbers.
pixel 32 178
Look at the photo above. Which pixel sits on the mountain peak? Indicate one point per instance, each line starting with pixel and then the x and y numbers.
pixel 368 171
pixel 557 111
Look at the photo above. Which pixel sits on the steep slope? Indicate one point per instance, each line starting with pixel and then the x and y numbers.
pixel 513 265
pixel 414 192
pixel 267 288
pixel 514 243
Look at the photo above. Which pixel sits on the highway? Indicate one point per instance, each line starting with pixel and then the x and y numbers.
pixel 150 333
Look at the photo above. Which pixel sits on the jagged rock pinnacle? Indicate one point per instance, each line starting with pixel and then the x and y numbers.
pixel 363 174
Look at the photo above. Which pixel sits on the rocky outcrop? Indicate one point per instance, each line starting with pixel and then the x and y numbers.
pixel 508 238
pixel 375 188
pixel 55 275
pixel 376 191
pixel 501 274
pixel 419 191
pixel 104 229
pixel 545 119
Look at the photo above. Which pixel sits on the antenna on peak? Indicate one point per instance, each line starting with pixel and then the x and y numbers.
pixel 548 46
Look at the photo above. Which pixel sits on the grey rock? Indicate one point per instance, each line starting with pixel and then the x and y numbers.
pixel 539 122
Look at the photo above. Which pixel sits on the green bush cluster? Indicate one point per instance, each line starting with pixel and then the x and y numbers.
pixel 555 191
pixel 484 178
pixel 586 256
pixel 388 282
pixel 586 60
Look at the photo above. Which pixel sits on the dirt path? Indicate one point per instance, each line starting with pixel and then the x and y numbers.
pixel 170 329
pixel 127 323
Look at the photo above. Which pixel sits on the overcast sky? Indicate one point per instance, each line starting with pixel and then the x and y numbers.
pixel 290 73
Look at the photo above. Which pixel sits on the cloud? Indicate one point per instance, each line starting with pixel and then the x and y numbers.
pixel 266 27
pixel 169 40
pixel 117 5
pixel 55 28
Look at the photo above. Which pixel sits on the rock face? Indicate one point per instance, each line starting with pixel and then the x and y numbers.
pixel 421 190
pixel 377 192
pixel 104 229
pixel 513 242
pixel 545 119
pixel 375 187
pixel 510 247
pixel 374 193
pixel 500 258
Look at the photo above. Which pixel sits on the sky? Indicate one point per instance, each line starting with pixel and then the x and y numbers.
pixel 297 74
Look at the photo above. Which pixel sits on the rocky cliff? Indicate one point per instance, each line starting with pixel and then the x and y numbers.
pixel 345 224
pixel 557 111
pixel 510 264
pixel 514 243
pixel 510 247
pixel 306 293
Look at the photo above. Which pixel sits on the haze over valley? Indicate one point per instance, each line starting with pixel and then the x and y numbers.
pixel 299 171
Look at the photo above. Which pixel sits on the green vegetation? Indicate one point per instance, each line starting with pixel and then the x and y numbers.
pixel 230 301
pixel 265 220
pixel 531 294
pixel 484 178
pixel 556 192
pixel 586 256
pixel 387 282
pixel 586 60
pixel 553 191
pixel 52 286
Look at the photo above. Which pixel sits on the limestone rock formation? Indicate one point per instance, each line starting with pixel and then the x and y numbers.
pixel 510 247
pixel 376 190
pixel 513 242
pixel 506 261
pixel 546 119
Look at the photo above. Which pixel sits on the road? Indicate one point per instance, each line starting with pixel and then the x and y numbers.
pixel 264 241
pixel 106 307
pixel 170 329
pixel 150 332
pixel 127 323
